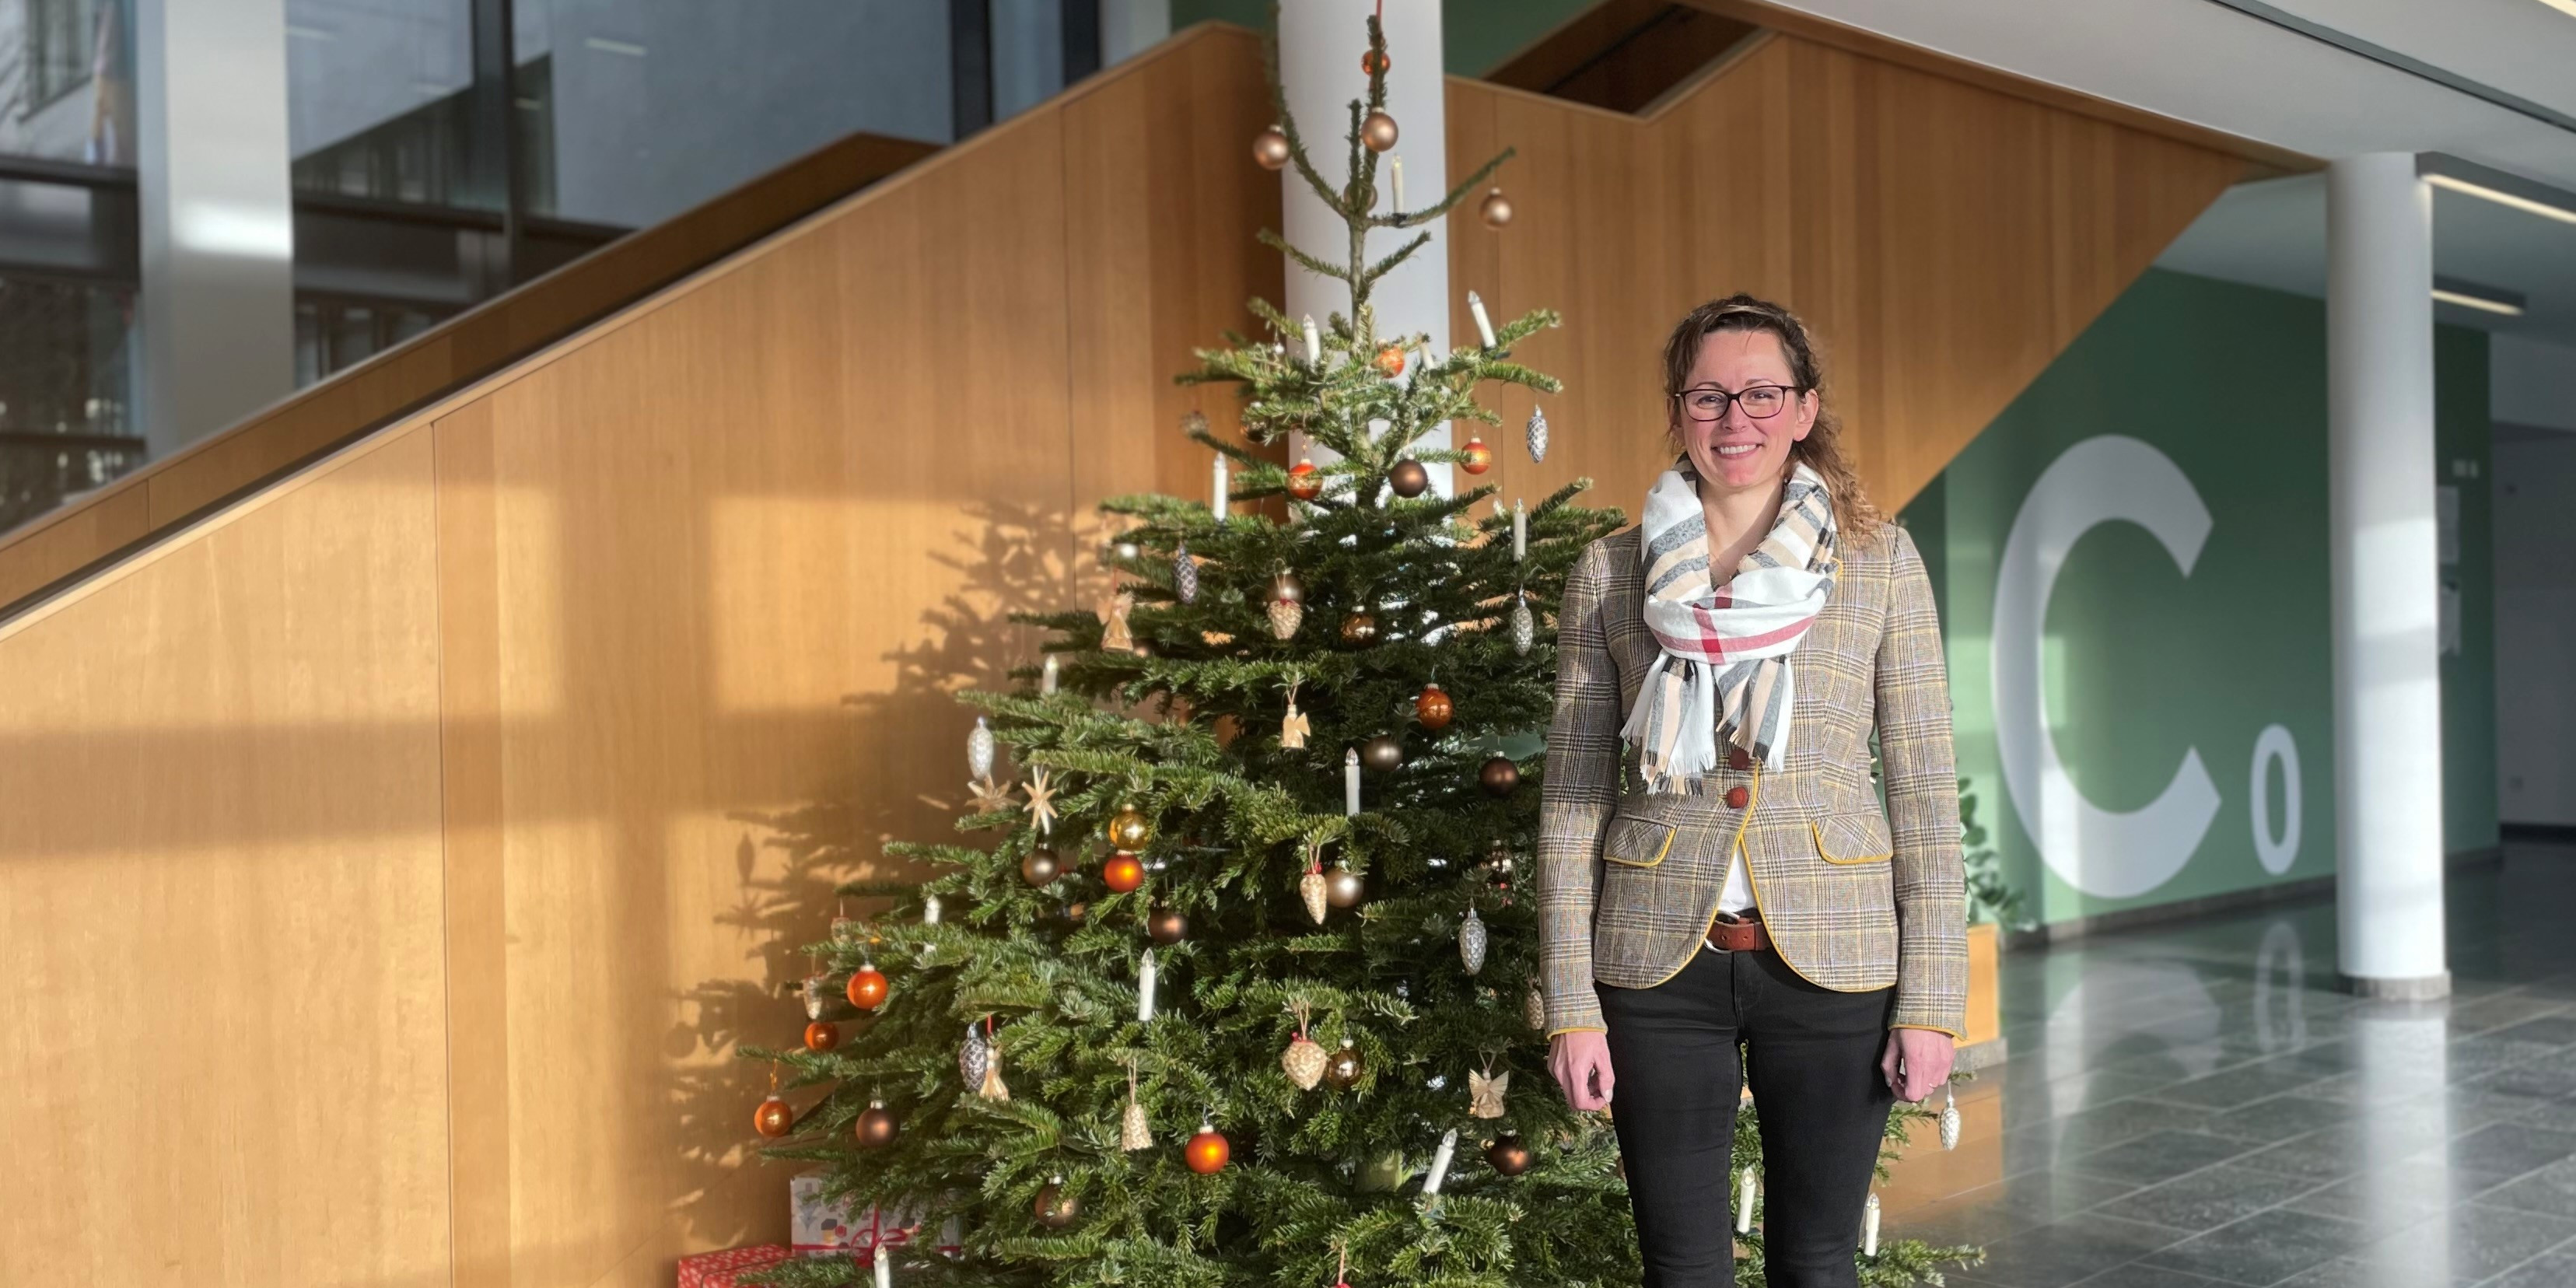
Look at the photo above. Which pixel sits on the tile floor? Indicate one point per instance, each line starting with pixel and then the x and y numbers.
pixel 2197 1106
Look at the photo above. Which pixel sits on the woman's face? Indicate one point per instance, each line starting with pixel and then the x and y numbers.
pixel 1740 451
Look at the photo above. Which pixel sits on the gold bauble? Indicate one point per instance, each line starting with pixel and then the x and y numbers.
pixel 1343 888
pixel 1343 1068
pixel 1270 148
pixel 1129 829
pixel 1497 209
pixel 1359 628
pixel 1378 131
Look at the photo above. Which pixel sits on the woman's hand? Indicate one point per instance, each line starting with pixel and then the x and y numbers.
pixel 1581 1063
pixel 1924 1055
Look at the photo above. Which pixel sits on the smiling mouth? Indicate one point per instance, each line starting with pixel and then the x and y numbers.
pixel 1728 450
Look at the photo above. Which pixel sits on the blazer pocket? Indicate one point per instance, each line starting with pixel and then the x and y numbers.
pixel 1637 842
pixel 1859 837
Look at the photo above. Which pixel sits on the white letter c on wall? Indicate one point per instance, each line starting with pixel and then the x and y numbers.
pixel 2101 852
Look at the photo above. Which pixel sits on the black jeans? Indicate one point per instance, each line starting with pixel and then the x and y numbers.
pixel 1812 1055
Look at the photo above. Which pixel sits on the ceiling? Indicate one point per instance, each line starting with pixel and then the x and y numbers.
pixel 2211 64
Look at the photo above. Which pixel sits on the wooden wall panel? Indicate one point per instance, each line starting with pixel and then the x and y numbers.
pixel 219 904
pixel 1945 240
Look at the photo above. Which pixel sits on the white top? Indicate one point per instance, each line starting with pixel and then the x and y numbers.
pixel 1739 886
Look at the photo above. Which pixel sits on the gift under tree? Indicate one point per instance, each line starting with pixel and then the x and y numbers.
pixel 1230 981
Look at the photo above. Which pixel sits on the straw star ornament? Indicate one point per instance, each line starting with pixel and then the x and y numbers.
pixel 1041 806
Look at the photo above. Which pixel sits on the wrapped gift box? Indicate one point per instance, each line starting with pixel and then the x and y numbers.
pixel 828 1229
pixel 719 1269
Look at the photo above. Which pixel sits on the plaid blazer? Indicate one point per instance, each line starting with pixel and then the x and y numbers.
pixel 1628 882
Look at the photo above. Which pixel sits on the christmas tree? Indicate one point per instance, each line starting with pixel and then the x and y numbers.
pixel 1231 981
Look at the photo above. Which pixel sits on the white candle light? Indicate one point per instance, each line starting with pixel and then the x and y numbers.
pixel 1220 498
pixel 1746 1187
pixel 930 910
pixel 1145 989
pixel 1869 1228
pixel 1440 1163
pixel 1047 675
pixel 1395 180
pixel 1351 781
pixel 1314 344
pixel 885 1267
pixel 1484 325
pixel 1520 531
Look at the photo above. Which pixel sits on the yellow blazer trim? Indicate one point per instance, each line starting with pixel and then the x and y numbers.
pixel 1829 856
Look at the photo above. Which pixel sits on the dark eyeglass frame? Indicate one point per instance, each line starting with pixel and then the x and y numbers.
pixel 1728 398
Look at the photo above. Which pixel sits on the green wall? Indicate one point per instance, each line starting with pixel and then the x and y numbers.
pixel 1475 37
pixel 2140 667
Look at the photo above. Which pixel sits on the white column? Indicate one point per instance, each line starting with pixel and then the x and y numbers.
pixel 2386 615
pixel 218 228
pixel 1320 43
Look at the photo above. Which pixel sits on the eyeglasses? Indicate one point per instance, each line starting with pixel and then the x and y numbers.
pixel 1761 402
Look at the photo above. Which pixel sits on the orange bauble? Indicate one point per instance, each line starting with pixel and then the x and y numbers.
pixel 1480 458
pixel 1373 61
pixel 1208 1151
pixel 1122 872
pixel 822 1036
pixel 1304 482
pixel 1432 707
pixel 1390 361
pixel 868 988
pixel 774 1119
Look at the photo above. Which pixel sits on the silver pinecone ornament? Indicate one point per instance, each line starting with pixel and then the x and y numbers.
pixel 1524 625
pixel 979 750
pixel 974 1057
pixel 1535 1009
pixel 1185 574
pixel 818 995
pixel 1538 434
pixel 1950 1121
pixel 1134 1133
pixel 1471 942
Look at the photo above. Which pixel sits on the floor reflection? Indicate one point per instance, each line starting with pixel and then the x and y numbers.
pixel 2198 1106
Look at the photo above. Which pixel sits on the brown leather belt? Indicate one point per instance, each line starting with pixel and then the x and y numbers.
pixel 1739 932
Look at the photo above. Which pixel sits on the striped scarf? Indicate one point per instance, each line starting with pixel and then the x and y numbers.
pixel 1725 665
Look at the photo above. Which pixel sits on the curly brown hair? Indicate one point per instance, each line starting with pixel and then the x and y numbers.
pixel 1822 448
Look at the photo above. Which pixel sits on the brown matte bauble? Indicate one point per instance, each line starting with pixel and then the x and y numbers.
pixel 1409 479
pixel 1378 131
pixel 1305 482
pixel 1374 62
pixel 1497 209
pixel 1382 754
pixel 867 988
pixel 1207 1151
pixel 1167 926
pixel 1054 1208
pixel 1039 867
pixel 1343 888
pixel 1286 589
pixel 822 1036
pixel 773 1119
pixel 1123 872
pixel 877 1127
pixel 1129 829
pixel 1500 776
pixel 1342 1072
pixel 1432 707
pixel 1390 361
pixel 1480 458
pixel 1359 628
pixel 1508 1155
pixel 1270 148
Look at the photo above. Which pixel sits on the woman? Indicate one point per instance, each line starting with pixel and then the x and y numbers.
pixel 1714 863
